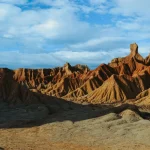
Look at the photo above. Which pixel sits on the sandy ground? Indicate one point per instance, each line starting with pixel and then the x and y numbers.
pixel 126 131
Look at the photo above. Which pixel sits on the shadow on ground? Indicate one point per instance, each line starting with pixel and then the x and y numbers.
pixel 16 109
pixel 55 110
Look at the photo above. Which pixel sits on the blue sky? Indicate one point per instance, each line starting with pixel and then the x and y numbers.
pixel 48 33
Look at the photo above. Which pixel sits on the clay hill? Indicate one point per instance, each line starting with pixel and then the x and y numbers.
pixel 123 78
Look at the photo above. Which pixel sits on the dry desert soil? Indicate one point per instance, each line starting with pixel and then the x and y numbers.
pixel 82 128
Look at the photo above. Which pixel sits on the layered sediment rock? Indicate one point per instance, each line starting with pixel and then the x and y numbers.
pixel 123 78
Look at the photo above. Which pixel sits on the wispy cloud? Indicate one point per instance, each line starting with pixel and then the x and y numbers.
pixel 16 59
pixel 18 2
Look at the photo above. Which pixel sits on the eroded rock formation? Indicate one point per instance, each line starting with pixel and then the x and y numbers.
pixel 121 79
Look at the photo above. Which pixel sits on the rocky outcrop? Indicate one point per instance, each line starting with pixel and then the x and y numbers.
pixel 123 78
pixel 134 49
pixel 117 88
pixel 132 76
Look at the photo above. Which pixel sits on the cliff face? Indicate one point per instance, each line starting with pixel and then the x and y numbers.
pixel 121 79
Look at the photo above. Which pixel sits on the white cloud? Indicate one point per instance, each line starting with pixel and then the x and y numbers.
pixel 46 23
pixel 47 29
pixel 129 25
pixel 131 7
pixel 5 12
pixel 15 59
pixel 18 2
pixel 104 43
pixel 60 26
pixel 55 3
pixel 97 2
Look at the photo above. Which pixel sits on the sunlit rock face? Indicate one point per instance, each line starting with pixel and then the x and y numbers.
pixel 134 49
pixel 123 78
